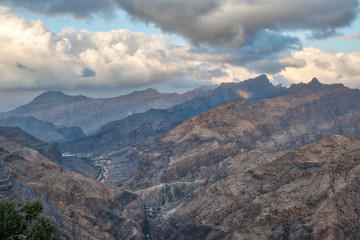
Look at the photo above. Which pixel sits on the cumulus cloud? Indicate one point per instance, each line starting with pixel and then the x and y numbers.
pixel 32 57
pixel 327 67
pixel 231 22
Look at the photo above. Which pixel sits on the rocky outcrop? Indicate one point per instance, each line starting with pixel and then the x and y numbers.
pixel 45 131
pixel 5 181
pixel 91 113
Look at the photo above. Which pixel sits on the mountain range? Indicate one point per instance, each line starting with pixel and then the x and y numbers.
pixel 242 161
pixel 90 113
pixel 303 114
pixel 151 124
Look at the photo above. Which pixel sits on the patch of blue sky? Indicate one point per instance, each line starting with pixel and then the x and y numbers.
pixel 120 21
pixel 57 23
pixel 333 44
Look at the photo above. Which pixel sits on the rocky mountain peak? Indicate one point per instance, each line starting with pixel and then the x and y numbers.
pixel 50 96
pixel 313 87
pixel 259 81
pixel 149 92
pixel 315 81
pixel 262 79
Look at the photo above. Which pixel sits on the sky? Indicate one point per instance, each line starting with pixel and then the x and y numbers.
pixel 112 47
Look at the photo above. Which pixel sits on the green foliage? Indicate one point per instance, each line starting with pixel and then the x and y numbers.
pixel 42 229
pixel 22 221
pixel 32 210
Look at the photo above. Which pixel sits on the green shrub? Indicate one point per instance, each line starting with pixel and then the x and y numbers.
pixel 22 221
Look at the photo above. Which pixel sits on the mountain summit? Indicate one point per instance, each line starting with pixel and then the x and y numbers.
pixel 51 96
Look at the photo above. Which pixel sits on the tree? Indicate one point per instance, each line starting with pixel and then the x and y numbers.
pixel 22 221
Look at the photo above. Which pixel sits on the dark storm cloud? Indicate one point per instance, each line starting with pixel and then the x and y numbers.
pixel 88 72
pixel 230 22
pixel 77 8
pixel 262 53
pixel 324 34
pixel 267 44
pixel 214 22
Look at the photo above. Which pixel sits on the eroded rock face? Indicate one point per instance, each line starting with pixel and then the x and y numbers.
pixel 5 181
pixel 308 193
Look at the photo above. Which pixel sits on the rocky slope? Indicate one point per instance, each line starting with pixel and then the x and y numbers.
pixel 81 207
pixel 155 122
pixel 17 135
pixel 304 114
pixel 89 113
pixel 45 131
pixel 308 193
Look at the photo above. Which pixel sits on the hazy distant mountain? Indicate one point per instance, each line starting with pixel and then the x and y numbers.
pixel 151 124
pixel 89 113
pixel 45 131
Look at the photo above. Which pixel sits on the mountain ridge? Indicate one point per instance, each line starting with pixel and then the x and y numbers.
pixel 17 135
pixel 45 131
pixel 91 113
pixel 151 124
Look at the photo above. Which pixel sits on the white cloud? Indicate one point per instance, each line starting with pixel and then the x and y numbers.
pixel 32 57
pixel 327 67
